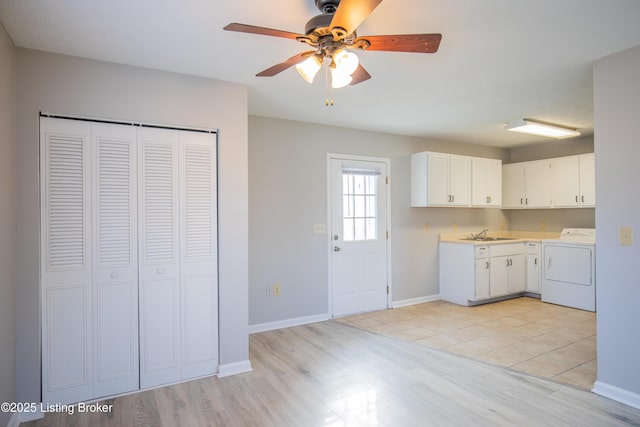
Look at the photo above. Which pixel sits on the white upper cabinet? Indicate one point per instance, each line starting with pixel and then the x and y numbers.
pixel 527 185
pixel 486 182
pixel 439 179
pixel 574 181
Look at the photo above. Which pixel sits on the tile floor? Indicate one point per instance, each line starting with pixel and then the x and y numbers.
pixel 522 334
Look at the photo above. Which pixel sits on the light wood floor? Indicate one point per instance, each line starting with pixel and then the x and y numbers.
pixel 524 334
pixel 331 374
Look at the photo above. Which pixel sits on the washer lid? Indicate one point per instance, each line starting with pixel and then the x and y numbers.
pixel 583 235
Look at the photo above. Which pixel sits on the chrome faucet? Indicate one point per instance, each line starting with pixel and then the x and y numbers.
pixel 481 235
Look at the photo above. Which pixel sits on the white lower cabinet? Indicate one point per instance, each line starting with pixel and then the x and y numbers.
pixel 507 269
pixel 129 258
pixel 482 284
pixel 534 267
pixel 470 274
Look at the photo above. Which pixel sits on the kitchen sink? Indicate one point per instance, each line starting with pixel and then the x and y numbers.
pixel 489 239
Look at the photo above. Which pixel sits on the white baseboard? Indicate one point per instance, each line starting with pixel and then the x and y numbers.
pixel 234 368
pixel 288 323
pixel 616 393
pixel 414 301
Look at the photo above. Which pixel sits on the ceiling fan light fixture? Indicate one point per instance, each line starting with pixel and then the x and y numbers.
pixel 309 68
pixel 541 129
pixel 346 62
pixel 339 79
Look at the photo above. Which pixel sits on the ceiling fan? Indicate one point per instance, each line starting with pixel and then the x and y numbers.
pixel 332 34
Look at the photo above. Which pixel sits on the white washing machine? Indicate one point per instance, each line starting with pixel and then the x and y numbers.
pixel 569 269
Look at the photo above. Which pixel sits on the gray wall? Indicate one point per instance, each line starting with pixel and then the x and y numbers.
pixel 288 194
pixel 73 86
pixel 617 148
pixel 7 220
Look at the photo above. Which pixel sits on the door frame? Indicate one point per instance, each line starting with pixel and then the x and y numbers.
pixel 351 157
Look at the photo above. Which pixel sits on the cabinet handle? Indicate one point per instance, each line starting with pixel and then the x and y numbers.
pixel 520 200
pixel 486 265
pixel 488 199
pixel 526 201
pixel 535 261
pixel 582 199
pixel 576 199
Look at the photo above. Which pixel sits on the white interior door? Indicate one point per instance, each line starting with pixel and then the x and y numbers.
pixel 159 273
pixel 66 258
pixel 198 254
pixel 359 236
pixel 115 273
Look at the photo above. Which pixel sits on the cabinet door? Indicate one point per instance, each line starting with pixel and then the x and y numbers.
pixel 159 257
pixel 486 182
pixel 516 274
pixel 115 274
pixel 479 182
pixel 566 185
pixel 482 279
pixel 460 180
pixel 499 276
pixel 198 254
pixel 538 184
pixel 587 180
pixel 533 273
pixel 438 180
pixel 66 260
pixel 513 185
pixel 494 182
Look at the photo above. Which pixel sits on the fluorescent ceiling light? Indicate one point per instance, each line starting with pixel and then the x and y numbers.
pixel 542 129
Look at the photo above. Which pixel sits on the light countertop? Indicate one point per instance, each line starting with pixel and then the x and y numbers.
pixel 513 236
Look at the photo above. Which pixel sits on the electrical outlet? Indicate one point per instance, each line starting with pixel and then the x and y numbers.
pixel 269 291
pixel 625 236
pixel 319 229
pixel 276 290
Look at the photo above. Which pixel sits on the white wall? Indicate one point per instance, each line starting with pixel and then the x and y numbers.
pixel 617 148
pixel 288 194
pixel 7 220
pixel 73 86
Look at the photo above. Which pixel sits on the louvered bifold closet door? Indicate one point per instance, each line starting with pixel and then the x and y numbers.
pixel 159 257
pixel 115 276
pixel 66 264
pixel 198 254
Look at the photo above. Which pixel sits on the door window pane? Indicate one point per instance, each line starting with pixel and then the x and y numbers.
pixel 359 205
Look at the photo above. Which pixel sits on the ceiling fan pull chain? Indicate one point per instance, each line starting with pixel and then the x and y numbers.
pixel 328 102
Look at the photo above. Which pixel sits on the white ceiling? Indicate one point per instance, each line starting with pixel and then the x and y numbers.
pixel 499 60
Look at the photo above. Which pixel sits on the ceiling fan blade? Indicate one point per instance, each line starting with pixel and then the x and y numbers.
pixel 359 75
pixel 278 68
pixel 421 43
pixel 349 15
pixel 252 29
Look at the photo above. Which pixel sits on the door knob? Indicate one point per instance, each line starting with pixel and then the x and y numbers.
pixel 160 270
pixel 114 274
pixel 336 249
